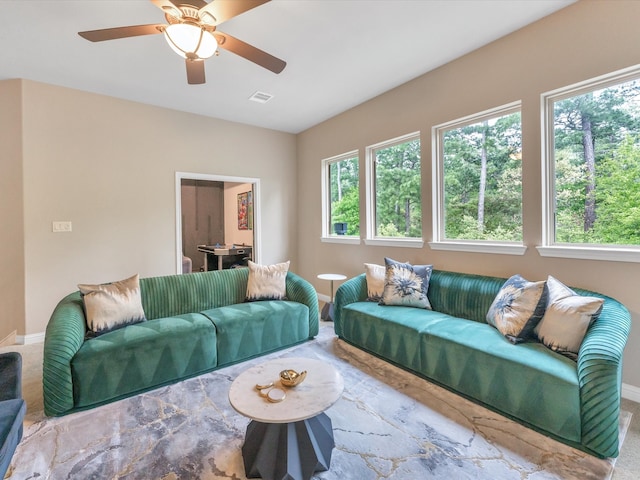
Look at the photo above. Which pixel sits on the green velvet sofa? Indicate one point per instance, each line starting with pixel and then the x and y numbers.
pixel 195 323
pixel 577 403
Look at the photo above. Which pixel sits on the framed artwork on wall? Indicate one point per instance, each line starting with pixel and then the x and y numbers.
pixel 245 211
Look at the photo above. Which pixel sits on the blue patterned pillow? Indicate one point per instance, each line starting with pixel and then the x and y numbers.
pixel 406 284
pixel 518 308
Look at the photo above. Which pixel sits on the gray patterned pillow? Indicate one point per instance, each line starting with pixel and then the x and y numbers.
pixel 406 284
pixel 267 282
pixel 567 318
pixel 375 281
pixel 112 305
pixel 518 308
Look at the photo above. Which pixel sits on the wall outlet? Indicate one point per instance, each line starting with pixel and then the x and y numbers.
pixel 61 227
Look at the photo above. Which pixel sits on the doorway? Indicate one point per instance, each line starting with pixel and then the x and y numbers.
pixel 211 210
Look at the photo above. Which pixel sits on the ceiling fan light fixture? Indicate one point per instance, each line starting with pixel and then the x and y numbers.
pixel 190 41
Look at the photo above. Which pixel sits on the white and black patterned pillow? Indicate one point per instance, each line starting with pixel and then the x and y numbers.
pixel 518 308
pixel 567 318
pixel 267 282
pixel 113 305
pixel 406 284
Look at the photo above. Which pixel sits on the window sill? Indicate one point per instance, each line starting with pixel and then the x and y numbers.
pixel 395 242
pixel 350 240
pixel 480 247
pixel 613 254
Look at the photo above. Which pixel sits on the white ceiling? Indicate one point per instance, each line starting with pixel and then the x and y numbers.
pixel 339 53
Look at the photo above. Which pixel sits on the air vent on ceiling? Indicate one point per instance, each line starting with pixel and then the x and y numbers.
pixel 261 97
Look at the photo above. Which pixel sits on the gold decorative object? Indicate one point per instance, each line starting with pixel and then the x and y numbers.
pixel 276 395
pixel 291 378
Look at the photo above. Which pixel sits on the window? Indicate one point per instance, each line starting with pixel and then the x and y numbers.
pixel 478 181
pixel 341 193
pixel 592 165
pixel 394 201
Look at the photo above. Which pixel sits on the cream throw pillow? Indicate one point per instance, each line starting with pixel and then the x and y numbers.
pixel 112 305
pixel 375 281
pixel 567 318
pixel 267 282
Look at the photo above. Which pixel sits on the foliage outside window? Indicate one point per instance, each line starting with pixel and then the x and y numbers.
pixel 395 196
pixel 343 193
pixel 594 164
pixel 480 170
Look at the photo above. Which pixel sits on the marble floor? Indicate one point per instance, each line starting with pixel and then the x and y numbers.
pixel 388 424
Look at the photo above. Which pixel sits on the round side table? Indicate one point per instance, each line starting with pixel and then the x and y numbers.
pixel 327 310
pixel 294 437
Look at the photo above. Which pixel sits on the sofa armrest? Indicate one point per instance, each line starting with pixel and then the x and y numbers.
pixel 351 291
pixel 63 338
pixel 10 376
pixel 301 291
pixel 600 378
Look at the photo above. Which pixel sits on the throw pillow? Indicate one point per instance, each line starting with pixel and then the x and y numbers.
pixel 267 282
pixel 375 281
pixel 406 284
pixel 112 305
pixel 567 318
pixel 518 308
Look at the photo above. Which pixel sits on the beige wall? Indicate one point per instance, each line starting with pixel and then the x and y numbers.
pixel 109 166
pixel 584 40
pixel 12 231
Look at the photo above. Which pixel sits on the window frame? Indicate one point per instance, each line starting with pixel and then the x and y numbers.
pixel 326 199
pixel 439 241
pixel 371 238
pixel 549 247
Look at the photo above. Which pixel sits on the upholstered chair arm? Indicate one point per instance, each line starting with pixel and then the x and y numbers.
pixel 353 290
pixel 63 338
pixel 600 378
pixel 300 290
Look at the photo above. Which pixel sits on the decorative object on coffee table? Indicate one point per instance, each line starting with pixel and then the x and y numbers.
pixel 291 438
pixel 291 378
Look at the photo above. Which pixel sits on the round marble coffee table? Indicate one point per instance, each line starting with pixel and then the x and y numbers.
pixel 293 438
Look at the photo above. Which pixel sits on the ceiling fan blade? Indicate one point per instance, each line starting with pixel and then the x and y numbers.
pixel 250 52
pixel 195 71
pixel 223 10
pixel 121 32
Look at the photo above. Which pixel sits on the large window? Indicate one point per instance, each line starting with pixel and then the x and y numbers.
pixel 478 178
pixel 341 196
pixel 592 186
pixel 394 195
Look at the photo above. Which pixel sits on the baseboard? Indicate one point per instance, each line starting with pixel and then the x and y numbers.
pixel 29 339
pixel 9 339
pixel 324 298
pixel 631 392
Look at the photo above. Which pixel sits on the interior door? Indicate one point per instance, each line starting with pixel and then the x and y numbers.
pixel 202 217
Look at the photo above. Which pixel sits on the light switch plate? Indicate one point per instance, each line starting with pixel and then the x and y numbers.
pixel 61 227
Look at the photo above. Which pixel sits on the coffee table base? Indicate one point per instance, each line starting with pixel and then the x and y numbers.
pixel 284 451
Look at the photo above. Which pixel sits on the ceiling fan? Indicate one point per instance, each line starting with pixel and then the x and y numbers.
pixel 192 33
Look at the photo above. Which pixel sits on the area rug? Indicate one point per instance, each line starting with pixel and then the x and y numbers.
pixel 389 424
